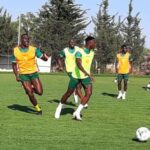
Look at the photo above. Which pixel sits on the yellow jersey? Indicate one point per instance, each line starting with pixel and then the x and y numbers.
pixel 123 63
pixel 26 61
pixel 86 57
pixel 70 58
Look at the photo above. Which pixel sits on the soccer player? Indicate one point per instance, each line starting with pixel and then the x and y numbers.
pixel 25 69
pixel 68 54
pixel 81 74
pixel 123 68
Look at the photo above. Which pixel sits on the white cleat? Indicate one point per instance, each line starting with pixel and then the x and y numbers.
pixel 115 80
pixel 75 97
pixel 119 96
pixel 57 113
pixel 86 106
pixel 77 116
pixel 124 96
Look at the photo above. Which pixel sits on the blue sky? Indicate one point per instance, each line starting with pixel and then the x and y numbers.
pixel 15 7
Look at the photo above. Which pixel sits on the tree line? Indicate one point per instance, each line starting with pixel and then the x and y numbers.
pixel 60 20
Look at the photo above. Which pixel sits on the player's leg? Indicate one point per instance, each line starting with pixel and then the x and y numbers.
pixel 116 79
pixel 75 92
pixel 29 91
pixel 88 92
pixel 78 90
pixel 71 87
pixel 67 95
pixel 62 102
pixel 38 89
pixel 125 86
pixel 36 83
pixel 78 93
pixel 119 86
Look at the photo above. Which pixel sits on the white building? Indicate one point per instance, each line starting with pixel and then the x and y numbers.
pixel 5 64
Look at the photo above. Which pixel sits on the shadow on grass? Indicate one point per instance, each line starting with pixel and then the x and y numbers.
pixel 18 107
pixel 145 88
pixel 109 94
pixel 57 101
pixel 136 140
pixel 67 111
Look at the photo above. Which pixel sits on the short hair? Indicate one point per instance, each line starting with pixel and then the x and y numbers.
pixel 71 40
pixel 89 38
pixel 25 34
pixel 124 45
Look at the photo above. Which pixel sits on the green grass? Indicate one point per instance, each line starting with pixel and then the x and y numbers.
pixel 107 124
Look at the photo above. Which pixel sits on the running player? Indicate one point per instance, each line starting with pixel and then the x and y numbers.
pixel 68 54
pixel 25 69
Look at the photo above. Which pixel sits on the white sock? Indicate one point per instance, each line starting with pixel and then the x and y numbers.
pixel 60 105
pixel 58 110
pixel 120 92
pixel 75 97
pixel 124 92
pixel 79 109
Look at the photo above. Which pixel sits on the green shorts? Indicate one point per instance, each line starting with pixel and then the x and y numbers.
pixel 69 75
pixel 28 77
pixel 122 76
pixel 74 82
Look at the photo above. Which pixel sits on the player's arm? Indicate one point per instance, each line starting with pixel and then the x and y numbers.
pixel 15 70
pixel 60 60
pixel 44 56
pixel 131 64
pixel 79 64
pixel 116 65
pixel 15 67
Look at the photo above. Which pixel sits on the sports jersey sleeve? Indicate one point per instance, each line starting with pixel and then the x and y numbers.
pixel 78 54
pixel 62 53
pixel 38 52
pixel 12 59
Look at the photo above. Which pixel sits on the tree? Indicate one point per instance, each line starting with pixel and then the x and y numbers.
pixel 133 36
pixel 7 32
pixel 57 22
pixel 107 36
pixel 28 23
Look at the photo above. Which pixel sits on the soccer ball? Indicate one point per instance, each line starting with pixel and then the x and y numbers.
pixel 142 134
pixel 148 86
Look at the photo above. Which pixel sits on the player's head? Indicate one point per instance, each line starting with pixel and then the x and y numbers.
pixel 90 42
pixel 25 40
pixel 124 48
pixel 71 43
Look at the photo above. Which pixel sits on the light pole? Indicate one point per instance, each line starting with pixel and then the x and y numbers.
pixel 19 28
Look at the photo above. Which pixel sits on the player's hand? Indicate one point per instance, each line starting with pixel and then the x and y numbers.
pixel 130 70
pixel 91 77
pixel 45 57
pixel 60 68
pixel 17 78
pixel 48 53
pixel 116 70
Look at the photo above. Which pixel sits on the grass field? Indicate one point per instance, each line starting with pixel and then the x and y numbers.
pixel 108 124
